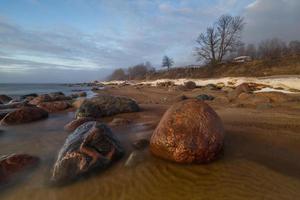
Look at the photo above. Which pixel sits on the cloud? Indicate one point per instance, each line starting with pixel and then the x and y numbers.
pixel 140 31
pixel 268 19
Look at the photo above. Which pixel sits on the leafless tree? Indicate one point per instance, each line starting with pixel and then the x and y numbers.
pixel 221 38
pixel 167 62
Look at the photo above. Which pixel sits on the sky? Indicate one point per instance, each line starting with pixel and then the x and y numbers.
pixel 84 40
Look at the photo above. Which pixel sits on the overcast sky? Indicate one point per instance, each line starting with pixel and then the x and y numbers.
pixel 83 40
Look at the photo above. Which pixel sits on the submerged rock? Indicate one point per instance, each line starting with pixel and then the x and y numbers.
pixel 24 115
pixel 91 146
pixel 13 165
pixel 71 126
pixel 189 132
pixel 4 98
pixel 106 105
pixel 205 97
pixel 3 113
pixel 54 106
pixel 140 144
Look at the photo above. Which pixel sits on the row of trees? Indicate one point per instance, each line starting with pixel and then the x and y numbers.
pixel 270 49
pixel 138 71
pixel 222 41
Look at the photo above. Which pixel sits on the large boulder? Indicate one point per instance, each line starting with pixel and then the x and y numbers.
pixel 189 132
pixel 190 85
pixel 24 115
pixel 73 125
pixel 13 165
pixel 4 112
pixel 55 96
pixel 92 146
pixel 13 105
pixel 4 98
pixel 106 105
pixel 54 106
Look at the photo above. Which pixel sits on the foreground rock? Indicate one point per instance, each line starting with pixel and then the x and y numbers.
pixel 106 106
pixel 54 106
pixel 76 123
pixel 91 146
pixel 189 132
pixel 13 165
pixel 4 99
pixel 24 115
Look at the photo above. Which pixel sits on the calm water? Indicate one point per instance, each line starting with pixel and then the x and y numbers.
pixel 251 168
pixel 22 89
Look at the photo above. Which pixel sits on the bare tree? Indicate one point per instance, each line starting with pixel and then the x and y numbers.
pixel 167 62
pixel 221 38
pixel 208 45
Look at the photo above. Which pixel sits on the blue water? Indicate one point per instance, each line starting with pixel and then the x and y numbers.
pixel 15 90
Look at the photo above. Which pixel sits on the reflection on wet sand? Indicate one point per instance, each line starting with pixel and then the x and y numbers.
pixel 258 162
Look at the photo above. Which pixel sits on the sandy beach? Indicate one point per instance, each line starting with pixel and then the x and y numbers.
pixel 260 154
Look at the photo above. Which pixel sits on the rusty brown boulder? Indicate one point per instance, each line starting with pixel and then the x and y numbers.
pixel 24 115
pixel 71 126
pixel 12 165
pixel 189 132
pixel 54 106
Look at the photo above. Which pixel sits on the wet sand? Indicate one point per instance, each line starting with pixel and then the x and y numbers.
pixel 260 161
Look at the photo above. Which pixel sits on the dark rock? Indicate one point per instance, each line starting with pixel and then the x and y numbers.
pixel 24 115
pixel 28 95
pixel 211 87
pixel 92 146
pixel 13 165
pixel 140 144
pixel 54 106
pixel 106 106
pixel 190 85
pixel 3 113
pixel 205 97
pixel 4 98
pixel 180 98
pixel 13 105
pixel 189 132
pixel 71 126
pixel 56 96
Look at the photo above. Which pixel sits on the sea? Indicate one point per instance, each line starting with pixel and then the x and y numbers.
pixel 16 90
